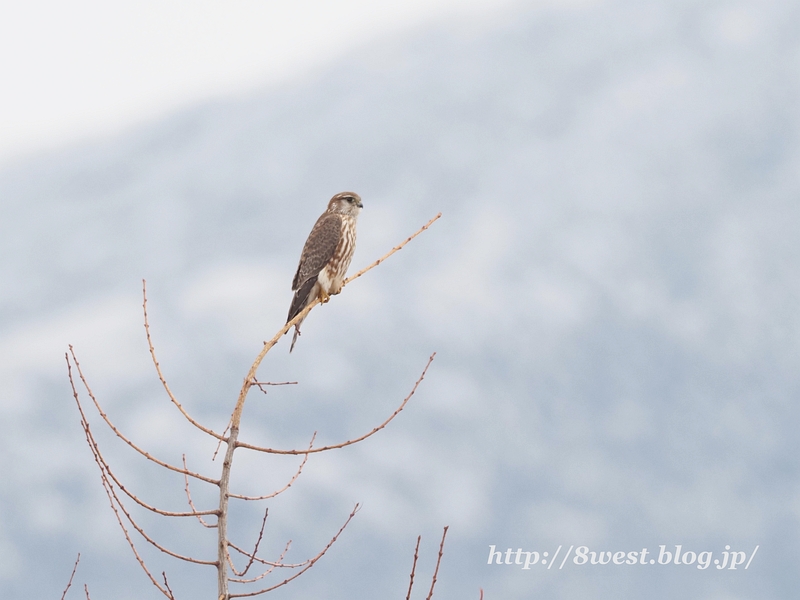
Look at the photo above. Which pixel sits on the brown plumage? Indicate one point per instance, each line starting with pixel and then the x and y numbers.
pixel 326 255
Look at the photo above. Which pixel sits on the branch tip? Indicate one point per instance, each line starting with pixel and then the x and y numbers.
pixel 69 583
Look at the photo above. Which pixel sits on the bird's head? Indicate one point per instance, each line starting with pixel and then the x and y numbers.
pixel 346 203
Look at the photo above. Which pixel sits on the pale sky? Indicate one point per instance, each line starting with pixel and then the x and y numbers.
pixel 85 68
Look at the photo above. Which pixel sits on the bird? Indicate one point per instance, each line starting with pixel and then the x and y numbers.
pixel 326 255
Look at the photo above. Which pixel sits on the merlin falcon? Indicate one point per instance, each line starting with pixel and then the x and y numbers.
pixel 326 255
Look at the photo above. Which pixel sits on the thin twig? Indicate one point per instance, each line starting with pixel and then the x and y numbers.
pixel 271 568
pixel 69 583
pixel 438 562
pixel 86 589
pixel 392 251
pixel 413 568
pixel 259 384
pixel 119 434
pixel 481 598
pixel 258 577
pixel 191 504
pixel 161 375
pixel 311 562
pixel 219 443
pixel 255 548
pixel 271 563
pixel 284 488
pixel 348 442
pixel 166 584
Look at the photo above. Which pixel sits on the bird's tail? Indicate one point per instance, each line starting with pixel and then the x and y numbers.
pixel 302 297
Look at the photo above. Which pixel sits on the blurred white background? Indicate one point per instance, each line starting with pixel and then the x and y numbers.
pixel 89 68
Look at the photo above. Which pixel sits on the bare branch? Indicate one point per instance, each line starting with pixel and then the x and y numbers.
pixel 236 417
pixel 413 568
pixel 111 484
pixel 392 251
pixel 438 562
pixel 131 544
pixel 69 583
pixel 284 488
pixel 167 513
pixel 310 564
pixel 119 434
pixel 155 543
pixel 348 442
pixel 86 589
pixel 161 375
pixel 481 598
pixel 108 486
pixel 107 468
pixel 110 489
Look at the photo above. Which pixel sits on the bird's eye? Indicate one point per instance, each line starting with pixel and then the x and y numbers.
pixel 350 199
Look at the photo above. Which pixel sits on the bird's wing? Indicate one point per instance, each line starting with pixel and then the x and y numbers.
pixel 319 248
pixel 301 298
